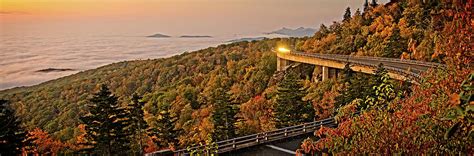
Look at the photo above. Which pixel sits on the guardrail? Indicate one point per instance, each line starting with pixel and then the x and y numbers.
pixel 409 74
pixel 257 139
pixel 385 59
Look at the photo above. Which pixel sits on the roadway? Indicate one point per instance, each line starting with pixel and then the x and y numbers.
pixel 407 68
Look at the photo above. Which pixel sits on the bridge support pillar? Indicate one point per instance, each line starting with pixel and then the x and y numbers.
pixel 329 73
pixel 325 73
pixel 282 63
pixel 332 73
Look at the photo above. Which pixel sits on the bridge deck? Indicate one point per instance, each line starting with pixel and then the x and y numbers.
pixel 398 68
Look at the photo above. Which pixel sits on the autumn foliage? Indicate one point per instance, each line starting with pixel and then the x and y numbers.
pixel 179 93
pixel 256 116
pixel 435 118
pixel 43 143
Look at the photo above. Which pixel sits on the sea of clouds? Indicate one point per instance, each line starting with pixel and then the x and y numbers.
pixel 22 57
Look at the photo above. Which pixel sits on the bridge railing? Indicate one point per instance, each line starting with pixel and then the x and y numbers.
pixel 385 59
pixel 395 60
pixel 407 73
pixel 259 138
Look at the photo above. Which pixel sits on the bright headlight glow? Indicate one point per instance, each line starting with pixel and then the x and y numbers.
pixel 283 50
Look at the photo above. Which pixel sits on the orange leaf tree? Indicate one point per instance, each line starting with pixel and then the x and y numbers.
pixel 43 143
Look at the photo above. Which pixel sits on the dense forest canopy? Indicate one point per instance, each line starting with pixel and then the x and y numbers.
pixel 185 95
pixel 56 106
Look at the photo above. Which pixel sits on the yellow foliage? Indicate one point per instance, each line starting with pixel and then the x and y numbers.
pixel 324 43
pixel 380 23
pixel 256 115
pixel 202 127
pixel 405 31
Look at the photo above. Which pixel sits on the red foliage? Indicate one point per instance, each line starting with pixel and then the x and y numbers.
pixel 43 143
pixel 150 145
pixel 415 126
pixel 457 41
pixel 325 107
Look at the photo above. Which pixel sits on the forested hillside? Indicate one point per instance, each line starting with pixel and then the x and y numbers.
pixel 191 98
pixel 408 29
pixel 56 105
pixel 434 117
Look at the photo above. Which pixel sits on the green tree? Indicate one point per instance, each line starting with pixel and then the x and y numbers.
pixel 106 124
pixel 373 3
pixel 380 72
pixel 347 73
pixel 137 124
pixel 164 129
pixel 383 90
pixel 395 46
pixel 346 95
pixel 224 115
pixel 11 133
pixel 356 86
pixel 290 109
pixel 357 13
pixel 323 31
pixel 347 14
pixel 366 5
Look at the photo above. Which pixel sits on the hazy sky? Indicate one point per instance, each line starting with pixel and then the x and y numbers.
pixel 174 17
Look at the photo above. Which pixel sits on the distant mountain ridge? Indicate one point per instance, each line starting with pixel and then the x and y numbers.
pixel 298 32
pixel 246 39
pixel 159 36
pixel 47 70
pixel 195 36
pixel 281 33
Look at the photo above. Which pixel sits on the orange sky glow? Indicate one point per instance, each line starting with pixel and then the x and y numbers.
pixel 71 8
pixel 173 16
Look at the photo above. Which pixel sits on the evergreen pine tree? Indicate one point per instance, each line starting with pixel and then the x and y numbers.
pixel 106 124
pixel 373 3
pixel 357 13
pixel 11 134
pixel 395 46
pixel 366 5
pixel 166 135
pixel 290 109
pixel 348 73
pixel 323 31
pixel 224 115
pixel 356 87
pixel 137 124
pixel 346 96
pixel 347 14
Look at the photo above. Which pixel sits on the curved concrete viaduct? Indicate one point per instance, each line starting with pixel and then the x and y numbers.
pixel 397 68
